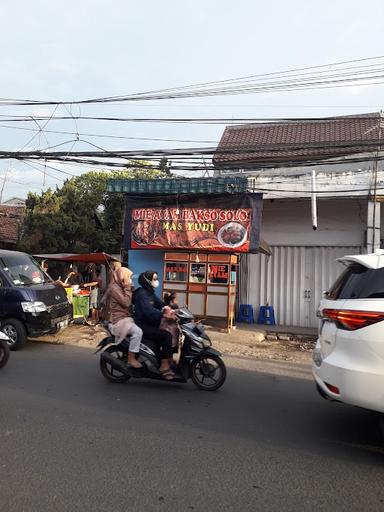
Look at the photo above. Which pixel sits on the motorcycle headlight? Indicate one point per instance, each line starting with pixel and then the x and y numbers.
pixel 201 342
pixel 3 336
pixel 206 342
pixel 33 306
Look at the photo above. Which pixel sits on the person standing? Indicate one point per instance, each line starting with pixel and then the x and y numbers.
pixel 93 281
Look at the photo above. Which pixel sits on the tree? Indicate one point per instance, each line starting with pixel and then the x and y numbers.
pixel 165 166
pixel 80 216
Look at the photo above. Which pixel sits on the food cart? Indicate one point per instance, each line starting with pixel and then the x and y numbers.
pixel 79 295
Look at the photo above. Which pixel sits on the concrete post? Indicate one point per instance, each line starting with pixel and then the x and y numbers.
pixel 373 226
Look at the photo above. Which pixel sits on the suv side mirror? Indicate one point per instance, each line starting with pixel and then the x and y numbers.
pixel 325 293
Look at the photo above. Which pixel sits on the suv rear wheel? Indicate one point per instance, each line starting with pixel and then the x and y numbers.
pixel 16 333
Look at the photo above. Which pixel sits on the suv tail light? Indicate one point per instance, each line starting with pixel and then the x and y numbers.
pixel 352 320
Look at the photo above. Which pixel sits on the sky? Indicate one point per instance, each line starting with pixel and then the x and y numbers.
pixel 91 48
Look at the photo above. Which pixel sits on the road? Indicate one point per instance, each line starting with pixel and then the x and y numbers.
pixel 70 441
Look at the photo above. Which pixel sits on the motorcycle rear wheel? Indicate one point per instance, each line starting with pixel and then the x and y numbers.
pixel 4 353
pixel 111 374
pixel 208 373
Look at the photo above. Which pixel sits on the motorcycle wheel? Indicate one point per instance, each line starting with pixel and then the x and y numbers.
pixel 111 374
pixel 4 353
pixel 208 372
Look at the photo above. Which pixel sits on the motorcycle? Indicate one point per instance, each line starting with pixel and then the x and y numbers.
pixel 4 349
pixel 198 360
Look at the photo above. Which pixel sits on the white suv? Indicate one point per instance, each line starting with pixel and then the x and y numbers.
pixel 348 361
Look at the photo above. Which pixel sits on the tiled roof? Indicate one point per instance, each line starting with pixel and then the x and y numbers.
pixel 10 220
pixel 298 140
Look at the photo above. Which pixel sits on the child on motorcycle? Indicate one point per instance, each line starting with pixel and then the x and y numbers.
pixel 119 295
pixel 169 323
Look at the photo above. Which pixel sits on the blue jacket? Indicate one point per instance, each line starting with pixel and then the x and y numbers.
pixel 148 308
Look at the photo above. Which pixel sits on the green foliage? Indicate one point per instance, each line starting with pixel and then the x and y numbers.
pixel 80 216
pixel 165 166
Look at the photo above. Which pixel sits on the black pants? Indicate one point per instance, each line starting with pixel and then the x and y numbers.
pixel 162 338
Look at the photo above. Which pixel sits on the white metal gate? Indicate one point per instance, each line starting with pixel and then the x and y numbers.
pixel 291 280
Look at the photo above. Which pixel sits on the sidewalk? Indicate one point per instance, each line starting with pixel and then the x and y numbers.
pixel 282 331
pixel 278 329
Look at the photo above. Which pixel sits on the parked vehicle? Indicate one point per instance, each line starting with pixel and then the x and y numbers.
pixel 4 349
pixel 31 304
pixel 348 361
pixel 198 360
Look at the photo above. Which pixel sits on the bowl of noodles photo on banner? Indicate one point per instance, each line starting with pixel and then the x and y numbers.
pixel 143 233
pixel 232 235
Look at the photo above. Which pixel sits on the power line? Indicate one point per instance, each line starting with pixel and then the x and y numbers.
pixel 181 120
pixel 118 137
pixel 340 75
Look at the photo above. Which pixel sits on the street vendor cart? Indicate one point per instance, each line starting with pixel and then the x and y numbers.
pixel 80 294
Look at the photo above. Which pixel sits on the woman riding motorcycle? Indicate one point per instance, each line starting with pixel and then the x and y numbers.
pixel 119 295
pixel 149 311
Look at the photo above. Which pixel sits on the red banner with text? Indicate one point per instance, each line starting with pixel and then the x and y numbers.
pixel 212 229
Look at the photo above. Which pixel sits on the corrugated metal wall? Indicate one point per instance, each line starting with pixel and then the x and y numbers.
pixel 292 280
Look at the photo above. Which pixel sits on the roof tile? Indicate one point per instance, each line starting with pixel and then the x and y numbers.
pixel 10 219
pixel 298 140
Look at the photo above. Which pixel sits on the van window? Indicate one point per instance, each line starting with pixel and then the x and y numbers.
pixel 358 282
pixel 22 270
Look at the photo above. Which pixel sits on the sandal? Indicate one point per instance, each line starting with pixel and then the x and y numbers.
pixel 168 374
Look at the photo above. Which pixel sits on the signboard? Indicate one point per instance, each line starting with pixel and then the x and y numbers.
pixel 208 224
pixel 218 274
pixel 176 271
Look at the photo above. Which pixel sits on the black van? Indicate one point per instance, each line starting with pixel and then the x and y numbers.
pixel 31 304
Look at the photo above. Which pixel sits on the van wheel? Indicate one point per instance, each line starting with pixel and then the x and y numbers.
pixel 16 333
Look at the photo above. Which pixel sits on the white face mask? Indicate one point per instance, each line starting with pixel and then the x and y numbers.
pixel 155 283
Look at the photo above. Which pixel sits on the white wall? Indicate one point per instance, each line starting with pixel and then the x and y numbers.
pixel 341 222
pixel 331 181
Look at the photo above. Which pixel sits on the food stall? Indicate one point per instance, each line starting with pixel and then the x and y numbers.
pixel 79 294
pixel 205 282
pixel 192 231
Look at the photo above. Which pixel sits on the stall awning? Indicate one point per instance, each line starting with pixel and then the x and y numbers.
pixel 190 186
pixel 94 257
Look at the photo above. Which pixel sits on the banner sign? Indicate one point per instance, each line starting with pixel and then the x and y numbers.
pixel 212 226
pixel 218 274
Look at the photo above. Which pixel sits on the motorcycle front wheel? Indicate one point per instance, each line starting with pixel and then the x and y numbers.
pixel 108 371
pixel 208 372
pixel 4 353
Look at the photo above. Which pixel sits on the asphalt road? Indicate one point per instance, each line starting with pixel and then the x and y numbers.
pixel 70 441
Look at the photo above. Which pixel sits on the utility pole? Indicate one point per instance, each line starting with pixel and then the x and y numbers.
pixel 3 185
pixel 375 174
pixel 206 172
pixel 314 200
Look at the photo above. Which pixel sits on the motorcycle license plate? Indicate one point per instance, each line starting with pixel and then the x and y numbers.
pixel 63 324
